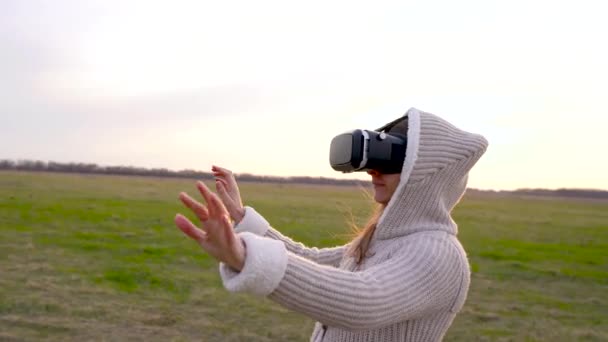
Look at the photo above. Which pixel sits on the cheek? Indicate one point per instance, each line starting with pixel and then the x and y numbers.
pixel 392 189
pixel 394 186
pixel 381 195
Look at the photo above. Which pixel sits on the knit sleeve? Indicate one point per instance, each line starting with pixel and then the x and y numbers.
pixel 255 223
pixel 423 278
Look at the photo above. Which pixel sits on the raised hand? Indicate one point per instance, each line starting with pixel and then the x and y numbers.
pixel 228 190
pixel 215 235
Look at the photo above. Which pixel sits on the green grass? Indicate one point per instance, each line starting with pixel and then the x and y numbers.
pixel 99 258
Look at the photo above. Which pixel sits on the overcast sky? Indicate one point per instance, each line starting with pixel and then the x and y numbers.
pixel 262 86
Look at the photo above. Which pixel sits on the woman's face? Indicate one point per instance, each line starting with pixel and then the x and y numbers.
pixel 384 185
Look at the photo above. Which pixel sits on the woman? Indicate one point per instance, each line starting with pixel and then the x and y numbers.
pixel 403 278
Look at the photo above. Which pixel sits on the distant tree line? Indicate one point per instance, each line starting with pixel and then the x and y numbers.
pixel 580 193
pixel 568 193
pixel 88 168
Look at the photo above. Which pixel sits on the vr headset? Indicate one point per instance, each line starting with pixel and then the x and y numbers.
pixel 362 150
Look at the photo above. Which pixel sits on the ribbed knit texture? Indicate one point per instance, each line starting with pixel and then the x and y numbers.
pixel 416 275
pixel 324 256
pixel 254 223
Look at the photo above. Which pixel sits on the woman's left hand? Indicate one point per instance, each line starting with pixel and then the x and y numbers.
pixel 215 235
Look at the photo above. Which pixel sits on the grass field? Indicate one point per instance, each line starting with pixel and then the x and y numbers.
pixel 99 258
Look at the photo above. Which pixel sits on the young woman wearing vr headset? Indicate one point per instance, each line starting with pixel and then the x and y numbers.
pixel 403 278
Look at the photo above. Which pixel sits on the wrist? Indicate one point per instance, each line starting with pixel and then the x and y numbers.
pixel 240 213
pixel 241 254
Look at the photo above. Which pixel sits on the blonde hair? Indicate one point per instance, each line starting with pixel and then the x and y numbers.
pixel 360 243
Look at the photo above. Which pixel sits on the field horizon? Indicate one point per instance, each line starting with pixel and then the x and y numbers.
pixel 97 257
pixel 25 165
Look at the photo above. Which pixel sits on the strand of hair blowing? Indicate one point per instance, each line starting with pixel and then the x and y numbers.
pixel 364 236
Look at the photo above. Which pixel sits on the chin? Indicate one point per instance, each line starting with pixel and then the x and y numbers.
pixel 380 198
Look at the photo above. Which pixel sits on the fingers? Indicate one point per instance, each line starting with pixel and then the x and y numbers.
pixel 220 171
pixel 190 229
pixel 227 229
pixel 225 175
pixel 221 180
pixel 199 210
pixel 214 205
pixel 220 186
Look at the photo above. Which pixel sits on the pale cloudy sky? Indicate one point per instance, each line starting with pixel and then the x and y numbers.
pixel 262 86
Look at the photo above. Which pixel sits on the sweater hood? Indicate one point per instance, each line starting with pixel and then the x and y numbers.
pixel 437 161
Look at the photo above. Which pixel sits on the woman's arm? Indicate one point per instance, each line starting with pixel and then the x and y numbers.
pixel 254 223
pixel 427 276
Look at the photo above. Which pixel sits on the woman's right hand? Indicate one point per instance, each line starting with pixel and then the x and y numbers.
pixel 228 190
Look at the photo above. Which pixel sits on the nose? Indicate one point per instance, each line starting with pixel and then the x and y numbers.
pixel 373 173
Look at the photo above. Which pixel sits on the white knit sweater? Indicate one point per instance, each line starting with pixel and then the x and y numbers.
pixel 416 276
